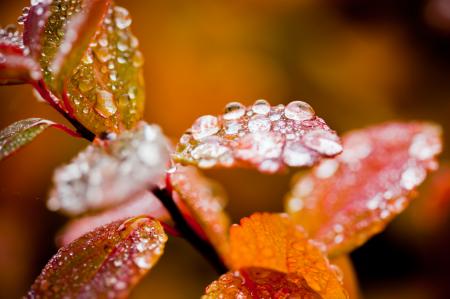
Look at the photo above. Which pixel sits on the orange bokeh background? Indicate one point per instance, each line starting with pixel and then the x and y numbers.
pixel 356 62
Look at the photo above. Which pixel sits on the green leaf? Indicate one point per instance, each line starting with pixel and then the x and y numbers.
pixel 105 91
pixel 20 133
pixel 105 263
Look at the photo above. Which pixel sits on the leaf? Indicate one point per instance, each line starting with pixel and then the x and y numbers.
pixel 273 241
pixel 350 281
pixel 105 263
pixel 15 66
pixel 20 133
pixel 259 283
pixel 105 92
pixel 343 202
pixel 143 204
pixel 204 200
pixel 79 34
pixel 260 136
pixel 110 172
pixel 34 25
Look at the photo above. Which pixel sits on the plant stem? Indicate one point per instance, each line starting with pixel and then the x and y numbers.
pixel 187 232
pixel 45 94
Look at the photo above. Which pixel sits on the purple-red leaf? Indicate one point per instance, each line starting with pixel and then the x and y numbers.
pixel 34 25
pixel 144 204
pixel 264 137
pixel 105 263
pixel 344 201
pixel 20 133
pixel 110 172
pixel 15 66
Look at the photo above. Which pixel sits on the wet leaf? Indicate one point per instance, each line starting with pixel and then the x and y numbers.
pixel 34 20
pixel 105 263
pixel 205 200
pixel 343 202
pixel 260 283
pixel 264 137
pixel 143 204
pixel 20 133
pixel 105 91
pixel 15 66
pixel 273 241
pixel 111 172
pixel 78 35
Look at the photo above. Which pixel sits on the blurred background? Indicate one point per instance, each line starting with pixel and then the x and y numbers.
pixel 356 62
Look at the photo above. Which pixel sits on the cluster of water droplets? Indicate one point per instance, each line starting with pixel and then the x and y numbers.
pixel 378 169
pixel 110 172
pixel 261 136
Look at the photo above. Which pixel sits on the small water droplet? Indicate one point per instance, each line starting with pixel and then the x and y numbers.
pixel 233 110
pixel 259 123
pixel 122 17
pixel 142 262
pixel 412 177
pixel 105 105
pixel 298 110
pixel 296 155
pixel 323 142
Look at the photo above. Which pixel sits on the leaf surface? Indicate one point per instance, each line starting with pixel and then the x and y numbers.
pixel 205 200
pixel 105 263
pixel 110 172
pixel 273 241
pixel 105 90
pixel 260 283
pixel 343 202
pixel 260 136
pixel 15 66
pixel 20 133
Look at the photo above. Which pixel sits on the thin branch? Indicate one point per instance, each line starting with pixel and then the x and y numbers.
pixel 187 232
pixel 45 94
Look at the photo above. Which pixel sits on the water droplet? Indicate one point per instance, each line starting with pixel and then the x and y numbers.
pixel 296 155
pixel 105 105
pixel 232 127
pixel 323 142
pixel 122 17
pixel 142 262
pixel 327 169
pixel 261 107
pixel 204 126
pixel 233 110
pixel 85 85
pixel 412 177
pixel 298 110
pixel 259 123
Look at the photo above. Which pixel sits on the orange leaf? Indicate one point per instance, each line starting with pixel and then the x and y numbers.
pixel 273 241
pixel 260 283
pixel 204 199
pixel 263 137
pixel 343 202
pixel 105 263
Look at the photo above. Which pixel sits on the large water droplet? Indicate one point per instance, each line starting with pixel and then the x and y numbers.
pixel 105 105
pixel 204 126
pixel 298 110
pixel 122 17
pixel 261 107
pixel 234 110
pixel 323 142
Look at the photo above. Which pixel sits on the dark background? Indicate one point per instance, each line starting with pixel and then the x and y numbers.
pixel 356 62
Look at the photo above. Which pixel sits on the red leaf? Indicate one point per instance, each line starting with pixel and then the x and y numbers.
pixel 34 26
pixel 204 200
pixel 260 283
pixel 15 66
pixel 260 136
pixel 144 204
pixel 343 202
pixel 105 263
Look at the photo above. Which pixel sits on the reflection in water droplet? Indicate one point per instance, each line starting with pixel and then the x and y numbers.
pixel 298 110
pixel 234 110
pixel 205 126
